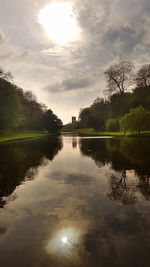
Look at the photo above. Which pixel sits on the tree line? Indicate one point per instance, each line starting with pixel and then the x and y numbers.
pixel 19 109
pixel 122 108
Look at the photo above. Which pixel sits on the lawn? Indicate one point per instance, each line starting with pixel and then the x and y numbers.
pixel 6 137
pixel 92 132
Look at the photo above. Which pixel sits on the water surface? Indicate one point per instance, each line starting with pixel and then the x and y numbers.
pixel 73 201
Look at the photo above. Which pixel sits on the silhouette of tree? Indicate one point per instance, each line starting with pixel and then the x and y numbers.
pixel 119 77
pixel 6 75
pixel 51 122
pixel 142 78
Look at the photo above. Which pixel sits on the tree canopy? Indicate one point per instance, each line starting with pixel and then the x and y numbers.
pixel 121 105
pixel 142 78
pixel 19 109
pixel 137 119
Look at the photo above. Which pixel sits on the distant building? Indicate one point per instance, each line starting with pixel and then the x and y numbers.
pixel 73 119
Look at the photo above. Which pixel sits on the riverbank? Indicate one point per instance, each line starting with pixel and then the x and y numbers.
pixel 91 132
pixel 8 137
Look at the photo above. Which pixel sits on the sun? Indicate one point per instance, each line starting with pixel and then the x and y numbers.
pixel 59 22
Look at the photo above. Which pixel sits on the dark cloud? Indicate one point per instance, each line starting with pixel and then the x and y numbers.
pixel 110 31
pixel 68 85
pixel 75 84
pixel 114 30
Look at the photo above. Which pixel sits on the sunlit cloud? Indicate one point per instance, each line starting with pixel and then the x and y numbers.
pixel 59 23
pixel 62 56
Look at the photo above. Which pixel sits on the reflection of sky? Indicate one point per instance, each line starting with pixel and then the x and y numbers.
pixel 65 212
pixel 64 242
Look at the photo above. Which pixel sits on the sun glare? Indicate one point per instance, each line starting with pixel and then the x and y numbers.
pixel 59 23
pixel 64 239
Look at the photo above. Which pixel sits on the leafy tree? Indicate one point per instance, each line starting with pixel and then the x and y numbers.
pixel 10 107
pixel 20 110
pixel 51 123
pixel 119 104
pixel 99 114
pixel 32 110
pixel 119 77
pixel 141 96
pixel 85 118
pixel 142 78
pixel 137 119
pixel 112 125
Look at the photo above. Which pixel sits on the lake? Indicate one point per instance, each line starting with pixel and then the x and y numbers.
pixel 75 201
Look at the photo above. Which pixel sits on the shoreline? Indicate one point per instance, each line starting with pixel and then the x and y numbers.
pixel 91 132
pixel 14 137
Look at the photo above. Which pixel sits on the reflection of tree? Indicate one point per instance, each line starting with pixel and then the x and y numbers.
pixel 120 191
pixel 123 154
pixel 144 186
pixel 74 142
pixel 19 161
pixel 96 149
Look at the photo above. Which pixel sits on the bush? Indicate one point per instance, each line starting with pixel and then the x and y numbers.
pixel 138 119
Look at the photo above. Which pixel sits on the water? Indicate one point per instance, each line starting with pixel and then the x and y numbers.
pixel 74 201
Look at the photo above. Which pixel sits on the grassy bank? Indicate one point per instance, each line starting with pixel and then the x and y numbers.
pixel 7 137
pixel 91 132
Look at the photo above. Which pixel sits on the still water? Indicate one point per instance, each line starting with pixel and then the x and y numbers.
pixel 75 202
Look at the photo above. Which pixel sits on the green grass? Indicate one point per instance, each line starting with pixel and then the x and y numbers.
pixel 7 137
pixel 91 132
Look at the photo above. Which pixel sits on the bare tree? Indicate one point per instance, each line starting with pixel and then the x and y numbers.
pixel 119 77
pixel 6 75
pixel 142 78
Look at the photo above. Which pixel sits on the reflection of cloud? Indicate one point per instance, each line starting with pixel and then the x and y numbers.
pixel 77 179
pixel 64 242
pixel 3 230
pixel 81 226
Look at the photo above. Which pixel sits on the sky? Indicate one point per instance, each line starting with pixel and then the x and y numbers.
pixel 68 76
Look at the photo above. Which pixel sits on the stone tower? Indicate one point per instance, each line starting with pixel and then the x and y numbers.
pixel 73 119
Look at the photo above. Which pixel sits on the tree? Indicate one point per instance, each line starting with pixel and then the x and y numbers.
pixel 119 77
pixel 112 125
pixel 138 119
pixel 6 75
pixel 119 104
pixel 141 96
pixel 142 78
pixel 10 107
pixel 51 122
pixel 32 110
pixel 99 114
pixel 85 118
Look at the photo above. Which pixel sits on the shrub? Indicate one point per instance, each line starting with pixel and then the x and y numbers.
pixel 138 119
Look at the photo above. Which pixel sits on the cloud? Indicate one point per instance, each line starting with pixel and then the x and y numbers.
pixel 68 85
pixel 76 84
pixel 110 31
pixel 2 38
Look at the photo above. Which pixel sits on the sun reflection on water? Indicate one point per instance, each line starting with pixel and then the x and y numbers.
pixel 64 242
